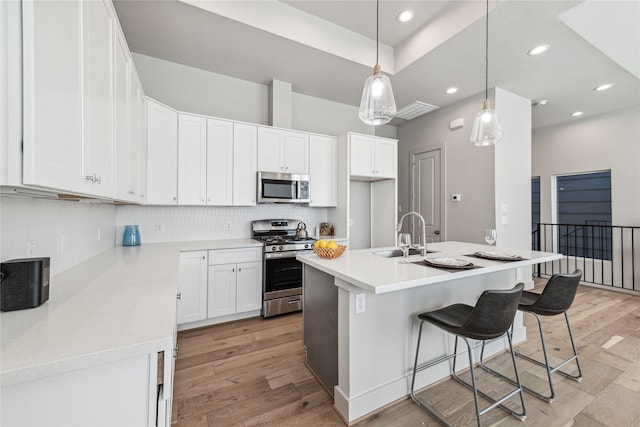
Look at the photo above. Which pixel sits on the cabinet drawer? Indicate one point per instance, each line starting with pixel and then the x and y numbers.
pixel 233 256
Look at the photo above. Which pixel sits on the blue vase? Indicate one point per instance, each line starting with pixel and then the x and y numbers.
pixel 131 236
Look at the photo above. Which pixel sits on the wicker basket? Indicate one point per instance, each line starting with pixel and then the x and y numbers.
pixel 329 253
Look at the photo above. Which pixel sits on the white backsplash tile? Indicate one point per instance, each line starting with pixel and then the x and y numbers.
pixel 176 223
pixel 45 222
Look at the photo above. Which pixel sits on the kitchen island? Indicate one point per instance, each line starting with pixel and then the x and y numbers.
pixel 360 317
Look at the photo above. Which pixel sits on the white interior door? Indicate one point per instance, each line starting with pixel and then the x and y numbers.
pixel 426 191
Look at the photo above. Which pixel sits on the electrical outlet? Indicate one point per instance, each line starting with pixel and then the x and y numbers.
pixel 99 236
pixel 518 274
pixel 361 303
pixel 227 225
pixel 159 227
pixel 31 248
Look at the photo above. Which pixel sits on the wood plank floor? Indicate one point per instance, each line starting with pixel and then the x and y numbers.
pixel 251 373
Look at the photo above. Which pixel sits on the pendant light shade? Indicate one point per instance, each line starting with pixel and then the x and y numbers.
pixel 487 129
pixel 377 105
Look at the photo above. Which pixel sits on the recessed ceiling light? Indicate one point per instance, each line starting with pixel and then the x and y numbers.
pixel 451 90
pixel 577 113
pixel 538 50
pixel 405 16
pixel 603 87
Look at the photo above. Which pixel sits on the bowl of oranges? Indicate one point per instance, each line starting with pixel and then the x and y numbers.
pixel 328 249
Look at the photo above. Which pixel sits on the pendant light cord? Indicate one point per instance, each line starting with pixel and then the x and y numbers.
pixel 377 27
pixel 486 55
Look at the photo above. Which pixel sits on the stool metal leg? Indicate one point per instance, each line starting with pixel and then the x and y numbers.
pixel 544 364
pixel 472 386
pixel 495 402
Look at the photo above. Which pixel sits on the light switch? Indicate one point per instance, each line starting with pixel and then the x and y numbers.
pixel 504 208
pixel 504 219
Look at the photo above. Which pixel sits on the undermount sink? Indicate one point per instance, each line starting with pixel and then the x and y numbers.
pixel 392 253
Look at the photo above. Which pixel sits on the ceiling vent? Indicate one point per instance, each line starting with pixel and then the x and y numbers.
pixel 415 109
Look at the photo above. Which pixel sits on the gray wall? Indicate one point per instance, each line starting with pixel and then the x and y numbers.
pixel 609 141
pixel 197 91
pixel 469 170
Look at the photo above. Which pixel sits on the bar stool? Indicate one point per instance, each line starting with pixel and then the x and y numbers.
pixel 491 318
pixel 556 298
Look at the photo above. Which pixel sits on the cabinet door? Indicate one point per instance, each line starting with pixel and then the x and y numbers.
pixel 192 287
pixel 97 141
pixel 162 151
pixel 219 162
pixel 323 170
pixel 138 139
pixel 221 290
pixel 296 152
pixel 192 159
pixel 249 287
pixel 384 154
pixel 125 157
pixel 270 146
pixel 361 152
pixel 245 164
pixel 52 85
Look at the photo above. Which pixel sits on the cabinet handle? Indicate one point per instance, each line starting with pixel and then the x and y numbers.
pixel 175 197
pixel 239 269
pixel 179 296
pixel 203 257
pixel 91 178
pixel 98 179
pixel 175 352
pixel 233 270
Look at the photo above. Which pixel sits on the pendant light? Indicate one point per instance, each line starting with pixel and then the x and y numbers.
pixel 487 129
pixel 377 105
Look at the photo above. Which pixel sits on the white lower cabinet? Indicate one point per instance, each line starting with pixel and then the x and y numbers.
pixel 192 287
pixel 223 285
pixel 235 281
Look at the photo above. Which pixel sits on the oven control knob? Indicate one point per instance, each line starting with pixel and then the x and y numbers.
pixel 280 248
pixel 273 248
pixel 306 246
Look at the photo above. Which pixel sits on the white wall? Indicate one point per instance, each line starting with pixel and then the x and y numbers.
pixel 513 171
pixel 469 169
pixel 609 141
pixel 45 221
pixel 181 223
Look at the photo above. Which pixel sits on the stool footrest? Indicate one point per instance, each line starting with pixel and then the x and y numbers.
pixel 553 369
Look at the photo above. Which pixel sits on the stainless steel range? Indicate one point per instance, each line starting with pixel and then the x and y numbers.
pixel 282 273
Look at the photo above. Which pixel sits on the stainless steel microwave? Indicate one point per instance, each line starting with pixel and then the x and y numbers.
pixel 274 187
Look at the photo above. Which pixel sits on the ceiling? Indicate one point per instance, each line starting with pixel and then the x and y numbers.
pixel 327 48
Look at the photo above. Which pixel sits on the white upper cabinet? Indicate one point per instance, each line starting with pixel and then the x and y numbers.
pixel 162 153
pixel 192 159
pixel 245 164
pixel 219 162
pixel 52 60
pixel 323 170
pixel 283 151
pixel 373 157
pixel 78 124
pixel 138 138
pixel 98 124
pixel 125 158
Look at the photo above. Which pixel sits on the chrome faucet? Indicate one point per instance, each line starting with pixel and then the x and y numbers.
pixel 424 230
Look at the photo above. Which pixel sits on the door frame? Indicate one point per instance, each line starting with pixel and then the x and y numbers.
pixel 443 182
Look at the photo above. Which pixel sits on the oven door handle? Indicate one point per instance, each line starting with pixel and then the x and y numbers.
pixel 293 267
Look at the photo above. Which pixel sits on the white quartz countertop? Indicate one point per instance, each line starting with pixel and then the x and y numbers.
pixel 378 275
pixel 118 304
